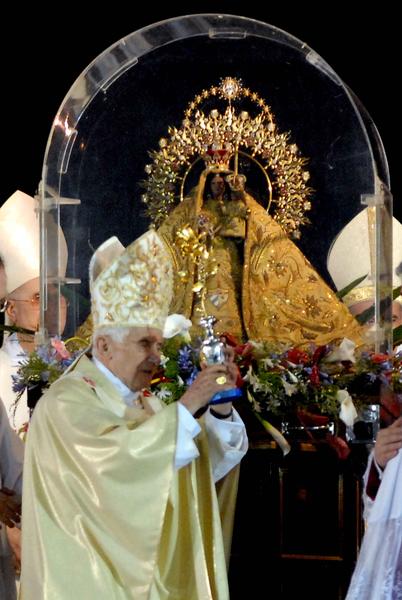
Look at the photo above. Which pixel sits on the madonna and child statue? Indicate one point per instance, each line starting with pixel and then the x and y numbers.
pixel 233 255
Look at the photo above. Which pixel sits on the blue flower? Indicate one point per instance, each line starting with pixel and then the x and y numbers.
pixel 193 375
pixel 184 361
pixel 18 385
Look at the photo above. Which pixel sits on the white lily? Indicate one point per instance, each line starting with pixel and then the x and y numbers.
pixel 347 411
pixel 345 351
pixel 290 388
pixel 164 360
pixel 163 394
pixel 177 325
pixel 267 362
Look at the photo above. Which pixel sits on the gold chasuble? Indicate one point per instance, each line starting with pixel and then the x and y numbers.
pixel 106 516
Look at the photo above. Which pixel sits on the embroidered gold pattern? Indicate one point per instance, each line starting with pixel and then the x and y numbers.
pixel 136 289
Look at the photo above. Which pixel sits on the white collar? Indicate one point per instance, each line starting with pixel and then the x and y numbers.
pixel 128 395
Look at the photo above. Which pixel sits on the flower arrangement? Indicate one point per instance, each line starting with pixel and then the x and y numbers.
pixel 307 386
pixel 43 366
pixel 332 381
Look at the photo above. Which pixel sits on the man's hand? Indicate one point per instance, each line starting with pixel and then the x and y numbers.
pixel 205 386
pixel 14 539
pixel 388 443
pixel 10 507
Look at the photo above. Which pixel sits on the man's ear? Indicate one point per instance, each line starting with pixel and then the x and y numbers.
pixel 11 311
pixel 102 346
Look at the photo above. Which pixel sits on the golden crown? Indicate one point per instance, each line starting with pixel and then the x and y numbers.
pixel 217 138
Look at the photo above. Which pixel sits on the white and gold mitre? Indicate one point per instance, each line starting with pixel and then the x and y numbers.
pixel 131 287
pixel 352 256
pixel 19 239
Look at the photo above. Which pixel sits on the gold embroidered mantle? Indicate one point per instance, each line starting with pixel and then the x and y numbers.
pixel 281 299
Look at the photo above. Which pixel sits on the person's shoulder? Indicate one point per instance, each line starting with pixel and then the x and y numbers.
pixel 65 402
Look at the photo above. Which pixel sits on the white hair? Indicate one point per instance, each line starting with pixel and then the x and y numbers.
pixel 117 334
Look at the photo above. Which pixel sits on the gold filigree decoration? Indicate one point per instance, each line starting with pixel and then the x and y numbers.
pixel 221 136
pixel 198 246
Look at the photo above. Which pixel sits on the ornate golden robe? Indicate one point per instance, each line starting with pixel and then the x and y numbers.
pixel 105 513
pixel 281 297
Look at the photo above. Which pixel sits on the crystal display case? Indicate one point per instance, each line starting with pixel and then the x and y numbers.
pixel 98 160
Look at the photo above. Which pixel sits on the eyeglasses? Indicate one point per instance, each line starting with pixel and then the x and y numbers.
pixel 35 301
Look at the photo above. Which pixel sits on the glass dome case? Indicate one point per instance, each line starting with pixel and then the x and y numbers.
pixel 327 157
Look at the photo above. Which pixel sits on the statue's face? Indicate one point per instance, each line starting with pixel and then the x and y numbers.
pixel 217 186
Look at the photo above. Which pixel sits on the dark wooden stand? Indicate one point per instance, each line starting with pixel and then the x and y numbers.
pixel 298 523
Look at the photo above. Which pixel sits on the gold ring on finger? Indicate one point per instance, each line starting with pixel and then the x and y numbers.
pixel 221 380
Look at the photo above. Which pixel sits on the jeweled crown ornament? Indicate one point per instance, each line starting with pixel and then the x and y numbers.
pixel 218 138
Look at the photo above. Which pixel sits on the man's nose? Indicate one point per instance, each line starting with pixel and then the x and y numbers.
pixel 154 356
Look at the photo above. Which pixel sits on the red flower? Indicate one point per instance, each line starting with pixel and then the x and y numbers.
pixel 308 419
pixel 315 375
pixel 239 349
pixel 297 356
pixel 319 353
pixel 229 339
pixel 379 358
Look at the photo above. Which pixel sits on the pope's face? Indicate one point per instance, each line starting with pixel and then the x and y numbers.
pixel 135 360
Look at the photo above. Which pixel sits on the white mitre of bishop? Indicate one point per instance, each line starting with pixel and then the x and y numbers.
pixel 133 286
pixel 19 239
pixel 352 256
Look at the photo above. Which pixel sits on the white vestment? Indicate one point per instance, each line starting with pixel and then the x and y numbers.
pixel 11 355
pixel 378 572
pixel 11 459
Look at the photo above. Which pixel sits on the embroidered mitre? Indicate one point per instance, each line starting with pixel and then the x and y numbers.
pixel 352 255
pixel 19 239
pixel 131 287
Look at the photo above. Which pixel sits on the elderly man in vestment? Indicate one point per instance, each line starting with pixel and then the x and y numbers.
pixel 19 246
pixel 119 496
